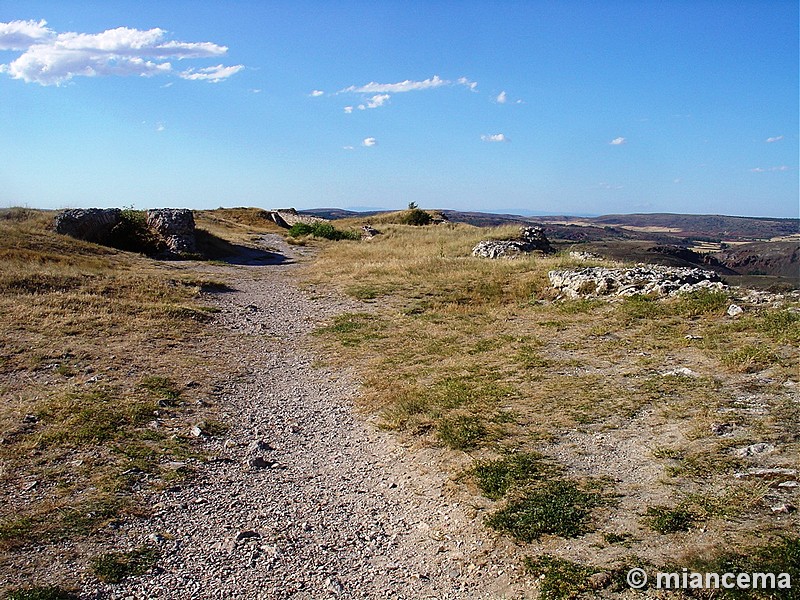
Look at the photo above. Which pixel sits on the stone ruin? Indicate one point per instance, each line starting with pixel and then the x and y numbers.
pixel 90 224
pixel 641 279
pixel 286 217
pixel 531 239
pixel 173 227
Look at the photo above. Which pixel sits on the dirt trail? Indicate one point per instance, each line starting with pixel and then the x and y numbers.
pixel 306 500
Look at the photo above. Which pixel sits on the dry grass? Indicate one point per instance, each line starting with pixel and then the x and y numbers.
pixel 98 372
pixel 476 355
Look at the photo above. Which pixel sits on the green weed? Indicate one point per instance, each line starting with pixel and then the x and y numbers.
pixel 496 477
pixel 116 566
pixel 557 507
pixel 463 432
pixel 559 579
pixel 670 520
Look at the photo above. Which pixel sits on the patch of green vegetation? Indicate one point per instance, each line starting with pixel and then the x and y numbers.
pixel 781 325
pixel 462 432
pixel 352 329
pixel 702 302
pixel 749 359
pixel 116 566
pixel 559 579
pixel 41 593
pixel 496 477
pixel 779 556
pixel 163 387
pixel 557 507
pixel 579 306
pixel 664 519
pixel 415 216
pixel 322 229
pixel 640 307
pixel 528 358
pixel 623 539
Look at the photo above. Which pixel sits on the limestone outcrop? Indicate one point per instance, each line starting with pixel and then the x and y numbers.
pixel 642 279
pixel 286 217
pixel 531 239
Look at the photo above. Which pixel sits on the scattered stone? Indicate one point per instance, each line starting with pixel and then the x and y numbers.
pixel 775 473
pixel 680 372
pixel 721 428
pixel 754 450
pixel 693 337
pixel 600 580
pixel 642 279
pixel 734 310
pixel 259 462
pixel 789 484
pixel 156 538
pixel 784 508
pixel 246 535
pixel 585 256
pixel 30 419
pixel 196 431
pixel 334 586
pixel 368 232
pixel 531 239
pixel 90 224
pixel 176 227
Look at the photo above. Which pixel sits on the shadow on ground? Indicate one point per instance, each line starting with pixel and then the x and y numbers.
pixel 212 247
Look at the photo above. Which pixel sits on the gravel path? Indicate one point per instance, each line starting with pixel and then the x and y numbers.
pixel 306 500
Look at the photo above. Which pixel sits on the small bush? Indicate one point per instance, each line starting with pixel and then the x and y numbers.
pixel 116 566
pixel 133 235
pixel 558 507
pixel 416 216
pixel 670 520
pixel 322 229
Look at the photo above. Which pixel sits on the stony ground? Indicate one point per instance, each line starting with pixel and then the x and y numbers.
pixel 306 499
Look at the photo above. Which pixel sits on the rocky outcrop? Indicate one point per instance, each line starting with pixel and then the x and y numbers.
pixel 90 224
pixel 368 232
pixel 531 239
pixel 286 217
pixel 175 226
pixel 642 279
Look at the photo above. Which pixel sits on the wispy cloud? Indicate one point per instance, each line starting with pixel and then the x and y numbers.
pixel 212 74
pixel 777 138
pixel 501 98
pixel 495 137
pixel 380 93
pixel 52 58
pixel 771 169
pixel 316 93
pixel 618 141
pixel 369 142
pixel 605 185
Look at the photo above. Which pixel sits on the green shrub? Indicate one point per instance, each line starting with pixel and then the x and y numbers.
pixel 322 229
pixel 416 216
pixel 133 235
pixel 702 302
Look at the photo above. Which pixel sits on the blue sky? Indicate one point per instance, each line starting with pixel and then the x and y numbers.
pixel 553 107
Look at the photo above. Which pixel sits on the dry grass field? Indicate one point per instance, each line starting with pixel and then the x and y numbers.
pixel 597 434
pixel 604 433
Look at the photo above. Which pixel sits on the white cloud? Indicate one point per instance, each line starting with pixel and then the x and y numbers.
pixel 397 88
pixel 20 35
pixel 778 138
pixel 604 185
pixel 316 93
pixel 501 98
pixel 466 82
pixel 348 109
pixel 348 148
pixel 212 74
pixel 495 137
pixel 160 126
pixel 771 169
pixel 51 58
pixel 369 142
pixel 617 141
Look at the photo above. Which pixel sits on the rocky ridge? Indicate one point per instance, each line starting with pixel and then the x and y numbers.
pixel 642 279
